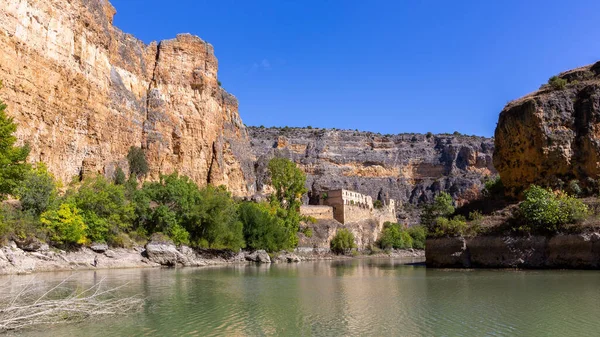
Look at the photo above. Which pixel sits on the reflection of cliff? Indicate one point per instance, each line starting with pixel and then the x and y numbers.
pixel 83 92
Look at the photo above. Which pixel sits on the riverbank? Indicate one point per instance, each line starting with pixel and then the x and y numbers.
pixel 560 251
pixel 15 260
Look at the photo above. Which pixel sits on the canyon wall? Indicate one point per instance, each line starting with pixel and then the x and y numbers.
pixel 410 168
pixel 552 136
pixel 83 92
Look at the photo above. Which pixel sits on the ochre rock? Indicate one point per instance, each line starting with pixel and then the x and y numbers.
pixel 552 136
pixel 83 92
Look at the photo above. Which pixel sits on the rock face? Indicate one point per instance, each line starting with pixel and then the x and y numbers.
pixel 83 92
pixel 552 136
pixel 409 168
pixel 572 251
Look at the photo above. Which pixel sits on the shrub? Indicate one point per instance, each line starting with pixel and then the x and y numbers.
pixel 574 188
pixel 103 206
pixel 394 236
pixel 493 187
pixel 38 191
pixel 263 229
pixel 12 158
pixel 342 242
pixel 65 225
pixel 456 226
pixel 177 207
pixel 308 232
pixel 120 177
pixel 138 164
pixel 475 215
pixel 441 207
pixel 418 235
pixel 378 204
pixel 544 210
pixel 15 223
pixel 429 135
pixel 557 82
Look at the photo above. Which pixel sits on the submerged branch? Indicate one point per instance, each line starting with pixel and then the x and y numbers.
pixel 61 304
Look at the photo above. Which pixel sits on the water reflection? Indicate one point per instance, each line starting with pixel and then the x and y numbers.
pixel 341 298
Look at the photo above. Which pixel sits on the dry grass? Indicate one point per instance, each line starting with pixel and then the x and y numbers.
pixel 61 304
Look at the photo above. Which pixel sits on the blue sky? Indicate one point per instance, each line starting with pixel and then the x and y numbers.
pixel 383 66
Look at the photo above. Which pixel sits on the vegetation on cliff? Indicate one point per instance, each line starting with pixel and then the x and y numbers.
pixel 120 211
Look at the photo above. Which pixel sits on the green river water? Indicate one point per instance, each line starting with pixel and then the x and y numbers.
pixel 360 297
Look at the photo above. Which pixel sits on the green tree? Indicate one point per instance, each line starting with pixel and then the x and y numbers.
pixel 394 236
pixel 289 183
pixel 103 206
pixel 13 167
pixel 441 207
pixel 120 177
pixel 342 242
pixel 138 164
pixel 175 206
pixel 38 191
pixel 263 229
pixel 66 225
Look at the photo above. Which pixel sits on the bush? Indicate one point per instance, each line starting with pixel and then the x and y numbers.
pixel 418 235
pixel 38 191
pixel 65 225
pixel 378 204
pixel 15 223
pixel 475 216
pixel 138 164
pixel 177 207
pixel 12 158
pixel 308 232
pixel 394 236
pixel 456 226
pixel 120 177
pixel 441 207
pixel 544 210
pixel 493 187
pixel 263 229
pixel 557 82
pixel 342 242
pixel 105 209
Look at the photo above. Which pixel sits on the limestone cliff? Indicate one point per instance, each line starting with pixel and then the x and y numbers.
pixel 83 92
pixel 552 136
pixel 571 251
pixel 409 168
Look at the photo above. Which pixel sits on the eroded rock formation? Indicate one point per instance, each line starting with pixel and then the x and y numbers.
pixel 83 92
pixel 552 136
pixel 573 251
pixel 409 168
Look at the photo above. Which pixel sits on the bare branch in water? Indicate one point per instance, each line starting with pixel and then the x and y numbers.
pixel 61 305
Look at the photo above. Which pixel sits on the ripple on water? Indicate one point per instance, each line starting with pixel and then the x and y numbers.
pixel 348 298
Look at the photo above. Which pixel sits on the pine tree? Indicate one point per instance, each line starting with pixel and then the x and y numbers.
pixel 12 158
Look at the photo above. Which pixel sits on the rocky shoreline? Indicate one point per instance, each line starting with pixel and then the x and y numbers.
pixel 561 251
pixel 26 259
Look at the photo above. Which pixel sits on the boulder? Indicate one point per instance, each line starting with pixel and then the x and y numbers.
pixel 31 244
pixel 259 256
pixel 287 257
pixel 99 247
pixel 163 253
